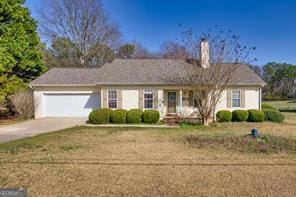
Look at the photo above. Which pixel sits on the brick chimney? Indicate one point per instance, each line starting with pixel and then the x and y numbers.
pixel 204 53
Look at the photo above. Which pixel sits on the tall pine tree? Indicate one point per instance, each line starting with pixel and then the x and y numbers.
pixel 20 59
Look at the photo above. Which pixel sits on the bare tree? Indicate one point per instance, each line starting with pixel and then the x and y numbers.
pixel 257 69
pixel 141 52
pixel 173 50
pixel 22 104
pixel 85 27
pixel 215 57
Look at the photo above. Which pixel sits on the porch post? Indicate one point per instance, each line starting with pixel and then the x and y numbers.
pixel 161 103
pixel 180 102
pixel 102 98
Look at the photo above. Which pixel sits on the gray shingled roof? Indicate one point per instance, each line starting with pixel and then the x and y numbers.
pixel 134 72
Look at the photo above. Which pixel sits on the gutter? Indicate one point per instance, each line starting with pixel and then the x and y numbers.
pixel 63 85
pixel 93 85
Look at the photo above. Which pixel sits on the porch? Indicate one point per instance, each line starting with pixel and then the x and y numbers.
pixel 178 106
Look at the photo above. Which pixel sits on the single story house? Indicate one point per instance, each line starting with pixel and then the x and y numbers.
pixel 134 83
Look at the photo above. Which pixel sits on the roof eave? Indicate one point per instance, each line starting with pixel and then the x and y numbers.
pixel 64 85
pixel 135 84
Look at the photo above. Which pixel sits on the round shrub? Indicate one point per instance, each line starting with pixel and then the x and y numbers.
pixel 273 115
pixel 118 116
pixel 99 116
pixel 224 116
pixel 240 115
pixel 256 115
pixel 134 116
pixel 151 116
pixel 267 106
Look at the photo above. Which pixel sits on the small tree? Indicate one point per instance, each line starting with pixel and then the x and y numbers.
pixel 280 78
pixel 214 58
pixel 20 59
pixel 126 51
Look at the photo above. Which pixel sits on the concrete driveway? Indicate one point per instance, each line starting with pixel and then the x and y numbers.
pixel 34 127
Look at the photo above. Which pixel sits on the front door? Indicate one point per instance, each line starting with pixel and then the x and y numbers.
pixel 172 101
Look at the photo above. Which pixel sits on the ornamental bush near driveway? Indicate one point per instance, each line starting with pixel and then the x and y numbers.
pixel 256 115
pixel 134 116
pixel 118 116
pixel 240 115
pixel 273 115
pixel 100 116
pixel 151 116
pixel 224 116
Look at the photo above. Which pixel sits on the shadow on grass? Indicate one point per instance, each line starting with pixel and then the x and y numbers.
pixel 291 101
pixel 288 110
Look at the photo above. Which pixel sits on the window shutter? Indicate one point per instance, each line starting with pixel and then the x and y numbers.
pixel 140 99
pixel 242 98
pixel 155 99
pixel 228 98
pixel 119 99
pixel 105 99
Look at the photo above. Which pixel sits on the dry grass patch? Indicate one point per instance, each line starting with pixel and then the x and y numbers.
pixel 149 162
pixel 262 144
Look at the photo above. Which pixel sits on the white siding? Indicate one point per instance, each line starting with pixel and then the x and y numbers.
pixel 252 96
pixel 38 104
pixel 161 107
pixel 252 99
pixel 130 99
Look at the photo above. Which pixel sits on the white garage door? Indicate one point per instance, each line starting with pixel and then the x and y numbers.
pixel 62 105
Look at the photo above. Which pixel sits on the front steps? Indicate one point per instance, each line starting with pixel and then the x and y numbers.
pixel 172 119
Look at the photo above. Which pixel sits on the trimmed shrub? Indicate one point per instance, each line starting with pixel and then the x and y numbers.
pixel 240 115
pixel 256 115
pixel 224 116
pixel 134 116
pixel 267 106
pixel 270 97
pixel 151 116
pixel 273 115
pixel 118 116
pixel 100 116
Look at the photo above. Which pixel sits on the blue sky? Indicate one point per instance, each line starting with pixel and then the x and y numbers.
pixel 267 24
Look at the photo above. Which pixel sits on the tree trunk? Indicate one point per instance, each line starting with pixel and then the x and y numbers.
pixel 81 60
pixel 205 121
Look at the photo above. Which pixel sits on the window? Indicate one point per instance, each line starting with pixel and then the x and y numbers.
pixel 192 101
pixel 112 99
pixel 148 99
pixel 236 98
pixel 190 98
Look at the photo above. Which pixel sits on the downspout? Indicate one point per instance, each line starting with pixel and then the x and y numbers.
pixel 260 98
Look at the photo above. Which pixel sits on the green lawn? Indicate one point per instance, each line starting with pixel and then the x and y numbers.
pixel 189 161
pixel 283 105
